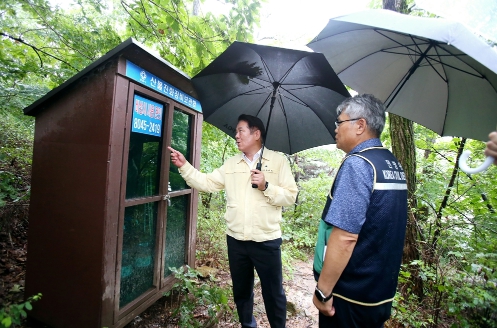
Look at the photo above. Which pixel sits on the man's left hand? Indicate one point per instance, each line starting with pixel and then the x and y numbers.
pixel 325 308
pixel 258 178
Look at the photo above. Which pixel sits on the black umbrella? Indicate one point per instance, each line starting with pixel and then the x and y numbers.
pixel 295 92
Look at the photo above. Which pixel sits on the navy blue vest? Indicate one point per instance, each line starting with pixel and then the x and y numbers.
pixel 370 277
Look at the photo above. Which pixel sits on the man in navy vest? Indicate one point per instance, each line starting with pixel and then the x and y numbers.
pixel 361 234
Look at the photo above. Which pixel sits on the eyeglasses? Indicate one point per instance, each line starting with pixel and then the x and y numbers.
pixel 338 122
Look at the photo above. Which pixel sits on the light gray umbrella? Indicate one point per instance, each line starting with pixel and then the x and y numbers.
pixel 432 71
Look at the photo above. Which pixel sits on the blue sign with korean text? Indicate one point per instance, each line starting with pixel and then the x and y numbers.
pixel 147 116
pixel 144 77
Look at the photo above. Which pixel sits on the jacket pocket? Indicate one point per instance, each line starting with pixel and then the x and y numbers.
pixel 267 218
pixel 231 218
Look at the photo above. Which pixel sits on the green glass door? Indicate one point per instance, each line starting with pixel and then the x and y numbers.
pixel 155 221
pixel 143 204
pixel 137 268
pixel 179 208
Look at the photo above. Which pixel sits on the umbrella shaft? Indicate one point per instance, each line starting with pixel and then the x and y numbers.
pixel 411 72
pixel 273 99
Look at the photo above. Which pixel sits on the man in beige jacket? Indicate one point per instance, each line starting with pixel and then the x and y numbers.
pixel 253 217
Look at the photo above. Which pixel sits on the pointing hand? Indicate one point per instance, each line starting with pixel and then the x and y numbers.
pixel 177 158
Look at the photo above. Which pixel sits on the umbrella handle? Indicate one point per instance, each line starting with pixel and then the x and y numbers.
pixel 257 167
pixel 463 166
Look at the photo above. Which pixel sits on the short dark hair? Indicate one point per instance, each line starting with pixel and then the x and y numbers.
pixel 253 123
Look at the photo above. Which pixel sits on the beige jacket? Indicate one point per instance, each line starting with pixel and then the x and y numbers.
pixel 251 214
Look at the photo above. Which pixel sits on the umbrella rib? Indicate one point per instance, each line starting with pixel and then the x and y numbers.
pixel 251 92
pixel 262 106
pixel 289 70
pixel 414 47
pixel 259 111
pixel 419 51
pixel 416 64
pixel 282 106
pixel 396 53
pixel 439 44
pixel 400 44
pixel 436 71
pixel 410 73
pixel 266 68
pixel 408 47
pixel 456 68
pixel 377 30
pixel 284 75
pixel 448 93
pixel 300 101
pixel 433 58
pixel 434 44
pixel 358 60
pixel 428 60
pixel 380 50
pixel 259 83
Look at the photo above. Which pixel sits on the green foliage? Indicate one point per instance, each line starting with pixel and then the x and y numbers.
pixel 407 309
pixel 472 200
pixel 472 291
pixel 457 234
pixel 16 137
pixel 183 36
pixel 299 225
pixel 8 190
pixel 12 315
pixel 43 46
pixel 211 226
pixel 211 232
pixel 216 147
pixel 465 291
pixel 195 294
pixel 409 312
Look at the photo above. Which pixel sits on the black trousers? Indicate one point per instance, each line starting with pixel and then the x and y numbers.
pixel 265 257
pixel 351 315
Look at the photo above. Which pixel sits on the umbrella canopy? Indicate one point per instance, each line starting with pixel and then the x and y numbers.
pixel 295 93
pixel 430 70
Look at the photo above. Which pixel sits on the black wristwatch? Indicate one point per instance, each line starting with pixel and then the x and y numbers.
pixel 320 296
pixel 267 183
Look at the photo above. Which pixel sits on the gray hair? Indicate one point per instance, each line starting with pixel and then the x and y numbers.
pixel 368 107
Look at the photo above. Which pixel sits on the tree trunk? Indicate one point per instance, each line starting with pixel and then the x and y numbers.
pixel 402 136
pixel 443 205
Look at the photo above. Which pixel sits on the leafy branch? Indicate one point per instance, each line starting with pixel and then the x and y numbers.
pixel 64 40
pixel 12 314
pixel 37 50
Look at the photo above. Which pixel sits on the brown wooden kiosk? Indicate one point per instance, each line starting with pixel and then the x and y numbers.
pixel 108 214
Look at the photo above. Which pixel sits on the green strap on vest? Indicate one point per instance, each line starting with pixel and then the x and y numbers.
pixel 324 231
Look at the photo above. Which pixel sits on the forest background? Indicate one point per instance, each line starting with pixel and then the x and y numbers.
pixel 448 276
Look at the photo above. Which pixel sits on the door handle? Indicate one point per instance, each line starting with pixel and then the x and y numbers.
pixel 168 198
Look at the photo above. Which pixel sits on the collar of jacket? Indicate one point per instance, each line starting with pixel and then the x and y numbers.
pixel 267 155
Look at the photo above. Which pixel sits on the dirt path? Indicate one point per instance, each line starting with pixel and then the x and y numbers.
pixel 299 290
